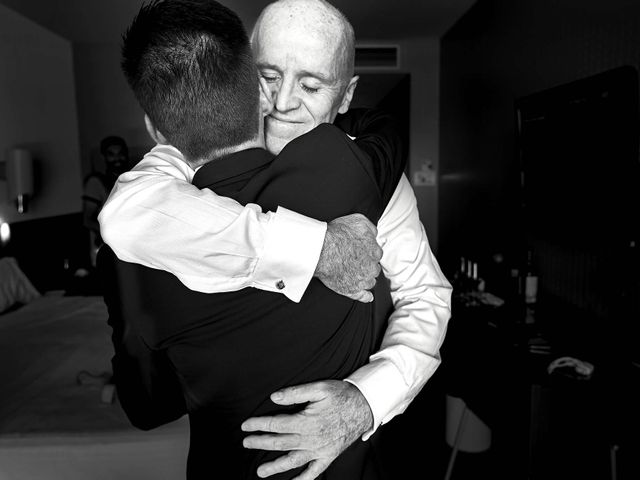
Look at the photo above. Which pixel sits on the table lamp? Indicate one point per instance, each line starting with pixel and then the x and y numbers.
pixel 19 174
pixel 5 233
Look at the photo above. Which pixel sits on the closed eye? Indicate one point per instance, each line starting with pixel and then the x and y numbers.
pixel 309 89
pixel 270 78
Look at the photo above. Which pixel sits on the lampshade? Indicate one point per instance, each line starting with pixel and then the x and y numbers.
pixel 5 233
pixel 19 171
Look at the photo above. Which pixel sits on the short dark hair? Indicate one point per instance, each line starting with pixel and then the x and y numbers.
pixel 190 65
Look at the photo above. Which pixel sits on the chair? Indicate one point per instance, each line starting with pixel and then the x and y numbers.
pixel 464 431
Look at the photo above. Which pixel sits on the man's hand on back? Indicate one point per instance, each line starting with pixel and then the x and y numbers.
pixel 350 259
pixel 336 415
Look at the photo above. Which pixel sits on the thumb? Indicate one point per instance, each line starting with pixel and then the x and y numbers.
pixel 364 296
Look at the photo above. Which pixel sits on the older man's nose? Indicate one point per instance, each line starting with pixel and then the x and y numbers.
pixel 287 98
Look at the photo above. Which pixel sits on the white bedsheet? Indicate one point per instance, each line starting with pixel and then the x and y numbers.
pixel 52 428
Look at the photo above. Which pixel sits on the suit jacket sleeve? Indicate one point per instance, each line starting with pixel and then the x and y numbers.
pixel 147 387
pixel 377 134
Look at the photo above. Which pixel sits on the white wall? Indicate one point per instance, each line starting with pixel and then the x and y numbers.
pixel 38 111
pixel 106 104
pixel 420 57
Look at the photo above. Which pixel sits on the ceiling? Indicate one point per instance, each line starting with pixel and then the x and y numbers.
pixel 106 20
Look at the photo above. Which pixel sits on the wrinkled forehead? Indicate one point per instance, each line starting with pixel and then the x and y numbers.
pixel 288 51
pixel 304 40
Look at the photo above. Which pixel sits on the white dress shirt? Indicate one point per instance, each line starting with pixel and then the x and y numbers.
pixel 155 217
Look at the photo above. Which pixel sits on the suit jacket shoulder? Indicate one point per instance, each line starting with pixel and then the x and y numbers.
pixel 322 174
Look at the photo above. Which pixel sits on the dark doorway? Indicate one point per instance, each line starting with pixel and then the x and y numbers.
pixel 390 92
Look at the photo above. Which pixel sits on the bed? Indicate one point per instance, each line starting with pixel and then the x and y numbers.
pixel 52 427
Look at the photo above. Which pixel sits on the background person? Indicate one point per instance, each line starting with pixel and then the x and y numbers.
pixel 97 185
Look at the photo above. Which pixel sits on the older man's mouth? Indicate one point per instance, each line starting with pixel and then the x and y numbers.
pixel 278 126
pixel 279 120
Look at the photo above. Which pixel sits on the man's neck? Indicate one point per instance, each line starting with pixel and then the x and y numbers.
pixel 256 143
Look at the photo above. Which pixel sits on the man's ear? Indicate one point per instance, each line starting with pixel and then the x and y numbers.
pixel 266 99
pixel 348 94
pixel 153 132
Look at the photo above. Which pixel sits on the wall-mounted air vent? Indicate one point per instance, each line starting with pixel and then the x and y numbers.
pixel 377 57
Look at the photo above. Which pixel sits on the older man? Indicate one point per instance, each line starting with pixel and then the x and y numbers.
pixel 304 49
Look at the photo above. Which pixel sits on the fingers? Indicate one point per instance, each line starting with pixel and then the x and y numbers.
pixel 309 392
pixel 314 469
pixel 368 283
pixel 363 220
pixel 372 228
pixel 275 424
pixel 284 463
pixel 373 267
pixel 378 270
pixel 279 443
pixel 377 253
pixel 358 220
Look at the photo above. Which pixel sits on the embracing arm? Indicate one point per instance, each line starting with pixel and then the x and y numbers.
pixel 421 295
pixel 156 218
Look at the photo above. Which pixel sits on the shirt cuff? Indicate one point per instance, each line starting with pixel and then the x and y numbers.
pixel 384 388
pixel 291 253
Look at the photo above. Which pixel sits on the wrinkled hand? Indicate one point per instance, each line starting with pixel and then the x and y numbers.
pixel 350 259
pixel 337 415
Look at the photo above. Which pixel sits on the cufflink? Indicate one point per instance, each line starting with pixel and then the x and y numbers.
pixel 279 284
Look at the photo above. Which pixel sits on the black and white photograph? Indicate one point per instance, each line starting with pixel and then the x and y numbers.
pixel 319 239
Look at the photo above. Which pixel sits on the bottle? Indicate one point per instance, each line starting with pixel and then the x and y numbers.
pixel 530 281
pixel 480 284
pixel 477 283
pixel 461 277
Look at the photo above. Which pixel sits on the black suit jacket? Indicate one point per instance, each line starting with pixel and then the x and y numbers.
pixel 229 351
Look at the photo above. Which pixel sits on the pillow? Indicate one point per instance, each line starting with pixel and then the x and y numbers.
pixel 15 287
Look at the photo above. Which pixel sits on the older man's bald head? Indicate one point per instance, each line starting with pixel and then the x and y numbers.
pixel 315 17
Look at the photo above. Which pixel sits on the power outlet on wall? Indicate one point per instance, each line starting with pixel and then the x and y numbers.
pixel 425 176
